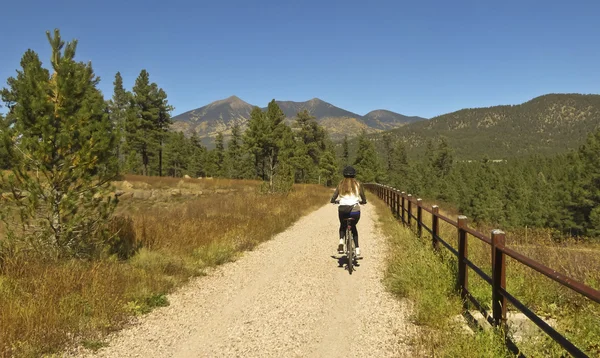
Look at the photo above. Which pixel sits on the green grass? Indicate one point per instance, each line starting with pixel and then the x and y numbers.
pixel 577 318
pixel 427 279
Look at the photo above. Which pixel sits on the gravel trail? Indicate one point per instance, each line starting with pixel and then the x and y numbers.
pixel 287 298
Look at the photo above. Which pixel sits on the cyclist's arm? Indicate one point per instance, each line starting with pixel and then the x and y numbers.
pixel 363 198
pixel 335 195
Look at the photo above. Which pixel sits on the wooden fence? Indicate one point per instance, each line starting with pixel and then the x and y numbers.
pixel 403 207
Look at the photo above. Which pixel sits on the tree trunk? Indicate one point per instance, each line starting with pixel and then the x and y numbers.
pixel 160 161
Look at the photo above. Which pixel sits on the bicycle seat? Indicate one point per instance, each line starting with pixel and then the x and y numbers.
pixel 350 219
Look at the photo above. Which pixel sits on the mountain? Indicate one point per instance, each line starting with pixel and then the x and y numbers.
pixel 220 116
pixel 318 108
pixel 338 122
pixel 384 119
pixel 213 118
pixel 545 125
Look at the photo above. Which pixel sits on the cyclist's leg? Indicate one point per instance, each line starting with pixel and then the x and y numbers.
pixel 356 216
pixel 342 215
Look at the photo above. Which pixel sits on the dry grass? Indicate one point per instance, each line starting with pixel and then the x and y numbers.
pixel 577 317
pixel 47 306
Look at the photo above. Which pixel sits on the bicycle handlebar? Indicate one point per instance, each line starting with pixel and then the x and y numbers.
pixel 337 202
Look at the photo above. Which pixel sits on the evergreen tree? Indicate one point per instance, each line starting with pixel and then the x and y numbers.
pixel 311 143
pixel 398 168
pixel 275 130
pixel 345 151
pixel 5 143
pixel 589 206
pixel 142 120
pixel 235 154
pixel 65 155
pixel 178 152
pixel 263 139
pixel 387 151
pixel 255 140
pixel 219 155
pixel 328 167
pixel 368 168
pixel 197 157
pixel 442 162
pixel 118 106
pixel 163 120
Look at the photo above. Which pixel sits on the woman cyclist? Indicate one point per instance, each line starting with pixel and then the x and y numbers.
pixel 350 193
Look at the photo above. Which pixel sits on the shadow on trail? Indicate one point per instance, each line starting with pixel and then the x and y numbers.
pixel 343 261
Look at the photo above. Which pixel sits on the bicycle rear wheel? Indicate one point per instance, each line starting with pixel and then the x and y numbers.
pixel 350 251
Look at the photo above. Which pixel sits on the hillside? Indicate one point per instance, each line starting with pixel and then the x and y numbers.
pixel 384 119
pixel 220 116
pixel 545 125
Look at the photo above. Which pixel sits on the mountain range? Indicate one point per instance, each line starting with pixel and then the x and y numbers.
pixel 220 116
pixel 545 125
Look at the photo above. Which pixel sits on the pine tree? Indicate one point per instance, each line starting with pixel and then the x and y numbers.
pixel 328 167
pixel 5 143
pixel 368 168
pixel 255 140
pixel 345 151
pixel 177 154
pixel 398 168
pixel 219 154
pixel 311 142
pixel 388 148
pixel 263 139
pixel 443 159
pixel 118 106
pixel 142 120
pixel 197 157
pixel 234 154
pixel 275 130
pixel 590 194
pixel 163 120
pixel 64 158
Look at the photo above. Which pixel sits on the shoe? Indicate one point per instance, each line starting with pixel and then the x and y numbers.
pixel 357 251
pixel 341 246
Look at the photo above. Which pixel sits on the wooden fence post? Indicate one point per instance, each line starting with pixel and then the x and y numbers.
pixel 498 278
pixel 403 208
pixel 419 218
pixel 462 282
pixel 397 208
pixel 409 212
pixel 394 200
pixel 435 226
pixel 386 195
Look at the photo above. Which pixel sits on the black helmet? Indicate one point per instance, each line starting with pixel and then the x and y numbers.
pixel 349 172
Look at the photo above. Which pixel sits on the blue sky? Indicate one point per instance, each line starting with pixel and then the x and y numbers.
pixel 414 57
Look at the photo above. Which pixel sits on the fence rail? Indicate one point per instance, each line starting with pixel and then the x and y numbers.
pixel 402 204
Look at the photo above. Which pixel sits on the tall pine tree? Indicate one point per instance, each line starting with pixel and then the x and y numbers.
pixel 368 168
pixel 142 120
pixel 118 106
pixel 219 155
pixel 234 154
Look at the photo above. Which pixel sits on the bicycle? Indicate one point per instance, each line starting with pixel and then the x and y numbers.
pixel 349 246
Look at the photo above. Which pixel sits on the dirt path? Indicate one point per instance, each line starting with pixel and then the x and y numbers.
pixel 287 298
